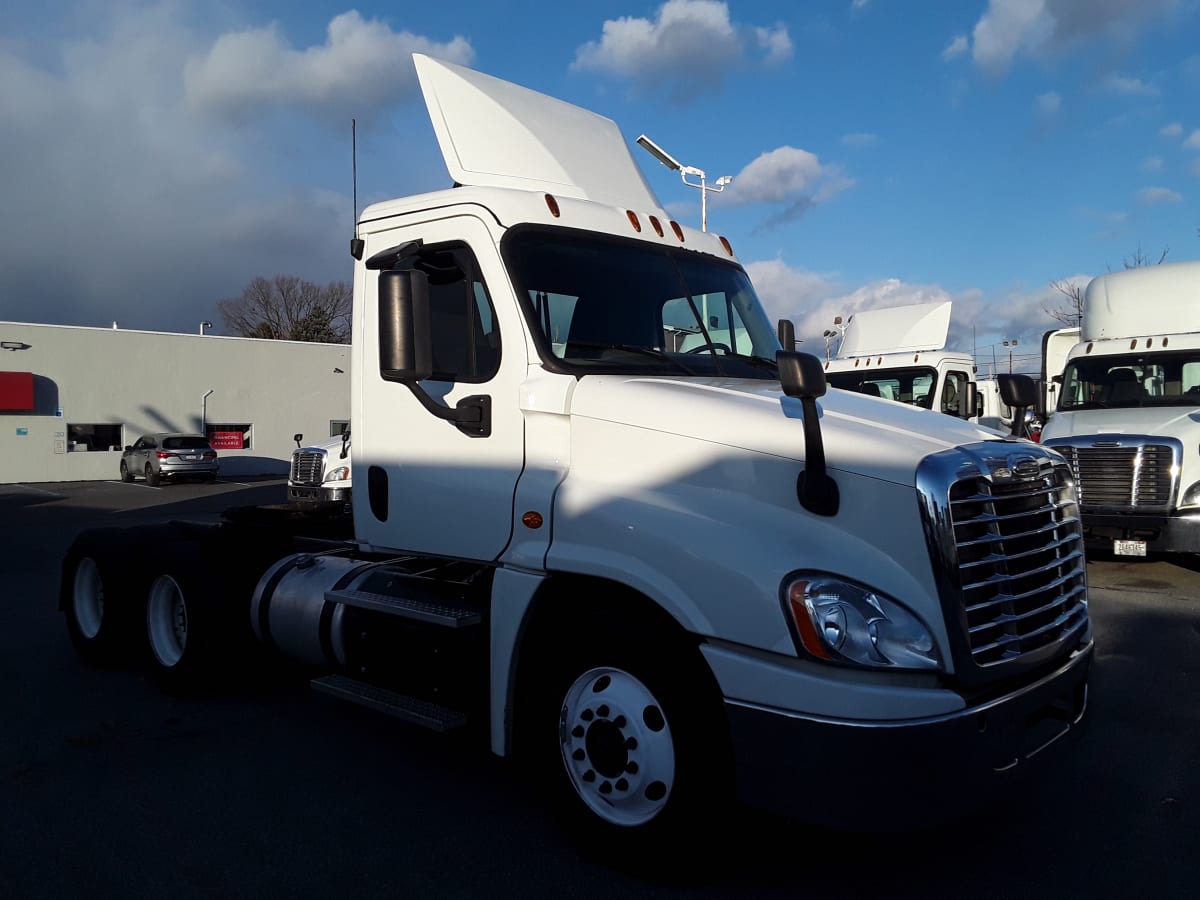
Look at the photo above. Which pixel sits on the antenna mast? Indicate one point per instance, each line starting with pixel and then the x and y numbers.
pixel 356 243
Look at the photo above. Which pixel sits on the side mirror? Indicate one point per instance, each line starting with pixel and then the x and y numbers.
pixel 405 341
pixel 970 404
pixel 803 377
pixel 128 448
pixel 1020 392
pixel 297 437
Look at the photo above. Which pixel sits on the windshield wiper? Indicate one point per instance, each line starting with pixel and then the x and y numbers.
pixel 652 352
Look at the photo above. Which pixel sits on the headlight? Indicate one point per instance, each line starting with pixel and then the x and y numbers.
pixel 341 473
pixel 1191 497
pixel 840 621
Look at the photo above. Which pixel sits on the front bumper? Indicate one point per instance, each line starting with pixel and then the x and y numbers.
pixel 850 773
pixel 318 494
pixel 1179 533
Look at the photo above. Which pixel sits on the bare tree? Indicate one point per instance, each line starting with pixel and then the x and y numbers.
pixel 1069 310
pixel 287 308
pixel 1138 259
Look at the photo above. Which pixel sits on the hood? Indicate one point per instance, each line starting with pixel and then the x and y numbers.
pixel 1173 421
pixel 863 435
pixel 497 134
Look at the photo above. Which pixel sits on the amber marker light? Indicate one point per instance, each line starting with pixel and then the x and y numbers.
pixel 532 519
pixel 633 220
pixel 725 243
pixel 552 205
pixel 656 225
pixel 804 623
pixel 678 231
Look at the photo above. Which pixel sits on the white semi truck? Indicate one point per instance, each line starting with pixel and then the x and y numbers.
pixel 1127 413
pixel 321 473
pixel 658 574
pixel 899 353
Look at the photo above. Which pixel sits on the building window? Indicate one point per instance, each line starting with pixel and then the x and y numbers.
pixel 338 426
pixel 93 437
pixel 229 436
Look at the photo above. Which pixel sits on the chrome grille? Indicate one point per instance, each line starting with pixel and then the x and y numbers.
pixel 1003 523
pixel 308 467
pixel 1122 477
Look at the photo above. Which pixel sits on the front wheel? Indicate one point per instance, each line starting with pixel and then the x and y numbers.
pixel 126 475
pixel 636 747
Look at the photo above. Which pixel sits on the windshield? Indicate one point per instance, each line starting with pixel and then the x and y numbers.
pixel 1120 382
pixel 913 385
pixel 185 442
pixel 611 305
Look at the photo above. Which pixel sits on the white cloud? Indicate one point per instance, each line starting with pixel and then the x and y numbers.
pixel 859 139
pixel 1193 140
pixel 1154 195
pixel 859 4
pixel 161 211
pixel 791 179
pixel 1129 87
pixel 363 64
pixel 956 48
pixel 1009 29
pixel 1152 164
pixel 1173 130
pixel 689 47
pixel 1048 104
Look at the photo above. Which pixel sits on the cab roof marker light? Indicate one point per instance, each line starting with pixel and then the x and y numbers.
pixel 633 220
pixel 656 225
pixel 552 205
pixel 678 231
pixel 725 243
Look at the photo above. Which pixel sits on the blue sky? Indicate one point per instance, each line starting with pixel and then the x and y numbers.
pixel 156 156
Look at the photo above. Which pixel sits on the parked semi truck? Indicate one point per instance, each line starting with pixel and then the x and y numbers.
pixel 1056 348
pixel 899 353
pixel 661 576
pixel 1126 419
pixel 322 472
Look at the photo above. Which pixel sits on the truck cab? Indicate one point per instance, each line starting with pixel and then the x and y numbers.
pixel 321 473
pixel 1126 415
pixel 899 353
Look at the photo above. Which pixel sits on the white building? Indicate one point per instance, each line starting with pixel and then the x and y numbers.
pixel 72 398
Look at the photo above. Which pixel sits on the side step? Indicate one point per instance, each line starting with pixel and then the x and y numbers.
pixel 409 608
pixel 419 712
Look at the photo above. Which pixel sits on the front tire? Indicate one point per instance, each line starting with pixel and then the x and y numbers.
pixel 630 735
pixel 126 475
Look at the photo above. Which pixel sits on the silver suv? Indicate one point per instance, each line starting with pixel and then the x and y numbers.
pixel 170 455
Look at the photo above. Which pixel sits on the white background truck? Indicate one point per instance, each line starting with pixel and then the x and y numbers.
pixel 1128 415
pixel 899 353
pixel 322 472
pixel 659 577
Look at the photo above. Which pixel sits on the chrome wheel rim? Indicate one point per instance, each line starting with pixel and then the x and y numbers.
pixel 617 747
pixel 167 621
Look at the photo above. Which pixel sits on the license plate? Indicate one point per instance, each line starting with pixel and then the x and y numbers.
pixel 192 456
pixel 1129 548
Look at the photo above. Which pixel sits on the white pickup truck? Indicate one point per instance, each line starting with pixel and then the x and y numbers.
pixel 321 473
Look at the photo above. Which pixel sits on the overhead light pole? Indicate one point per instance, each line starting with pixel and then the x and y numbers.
pixel 1010 345
pixel 205 324
pixel 684 171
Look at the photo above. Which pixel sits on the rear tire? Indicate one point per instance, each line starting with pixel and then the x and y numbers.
pixel 197 623
pixel 101 595
pixel 152 477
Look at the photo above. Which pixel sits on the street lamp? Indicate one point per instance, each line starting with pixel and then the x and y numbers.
pixel 1010 345
pixel 205 324
pixel 684 171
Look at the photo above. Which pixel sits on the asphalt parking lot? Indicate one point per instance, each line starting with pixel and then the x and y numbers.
pixel 109 788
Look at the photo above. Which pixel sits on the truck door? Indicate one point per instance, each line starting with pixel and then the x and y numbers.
pixel 447 492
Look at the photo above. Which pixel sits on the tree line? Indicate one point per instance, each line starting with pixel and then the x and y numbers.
pixel 287 308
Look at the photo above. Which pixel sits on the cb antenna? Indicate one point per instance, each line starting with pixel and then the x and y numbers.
pixel 356 243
